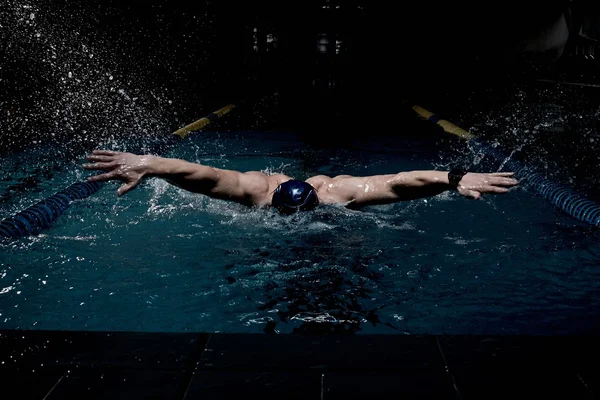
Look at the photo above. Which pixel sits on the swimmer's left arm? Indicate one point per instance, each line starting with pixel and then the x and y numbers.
pixel 383 189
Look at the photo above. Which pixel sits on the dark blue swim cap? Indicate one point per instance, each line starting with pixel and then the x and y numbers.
pixel 293 196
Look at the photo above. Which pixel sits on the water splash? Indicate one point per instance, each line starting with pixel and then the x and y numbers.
pixel 75 88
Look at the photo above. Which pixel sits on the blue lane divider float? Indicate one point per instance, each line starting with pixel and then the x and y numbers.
pixel 43 214
pixel 562 196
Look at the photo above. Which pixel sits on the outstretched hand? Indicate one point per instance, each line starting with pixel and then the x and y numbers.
pixel 474 184
pixel 126 167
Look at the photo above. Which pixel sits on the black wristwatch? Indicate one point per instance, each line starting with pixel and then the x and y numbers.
pixel 455 175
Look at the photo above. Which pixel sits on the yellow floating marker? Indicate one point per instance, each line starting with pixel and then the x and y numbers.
pixel 448 126
pixel 202 122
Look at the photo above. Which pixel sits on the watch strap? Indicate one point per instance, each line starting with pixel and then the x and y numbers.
pixel 455 175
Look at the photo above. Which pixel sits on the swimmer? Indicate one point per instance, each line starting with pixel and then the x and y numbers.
pixel 288 195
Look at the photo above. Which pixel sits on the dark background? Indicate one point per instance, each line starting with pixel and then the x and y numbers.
pixel 263 56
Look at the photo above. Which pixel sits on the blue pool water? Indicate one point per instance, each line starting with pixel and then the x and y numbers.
pixel 162 259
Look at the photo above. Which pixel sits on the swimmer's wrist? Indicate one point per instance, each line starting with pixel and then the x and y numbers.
pixel 151 165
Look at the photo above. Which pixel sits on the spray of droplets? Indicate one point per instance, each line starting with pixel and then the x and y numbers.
pixel 552 128
pixel 65 85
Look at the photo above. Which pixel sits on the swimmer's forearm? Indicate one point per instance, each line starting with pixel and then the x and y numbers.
pixel 421 179
pixel 418 184
pixel 181 173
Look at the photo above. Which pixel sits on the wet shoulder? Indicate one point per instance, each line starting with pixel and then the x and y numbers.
pixel 319 181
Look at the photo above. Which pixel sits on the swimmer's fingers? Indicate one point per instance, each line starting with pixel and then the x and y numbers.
pixel 100 158
pixel 126 188
pixel 99 165
pixel 103 177
pixel 106 152
pixel 495 189
pixel 502 174
pixel 503 181
pixel 472 194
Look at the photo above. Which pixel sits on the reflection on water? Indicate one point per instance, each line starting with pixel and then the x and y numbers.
pixel 317 284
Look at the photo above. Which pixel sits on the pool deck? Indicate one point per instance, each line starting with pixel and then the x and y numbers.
pixel 90 365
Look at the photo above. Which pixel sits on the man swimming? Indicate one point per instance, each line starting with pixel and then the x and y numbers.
pixel 288 195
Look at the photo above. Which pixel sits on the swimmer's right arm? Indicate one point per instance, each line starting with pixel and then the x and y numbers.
pixel 197 178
